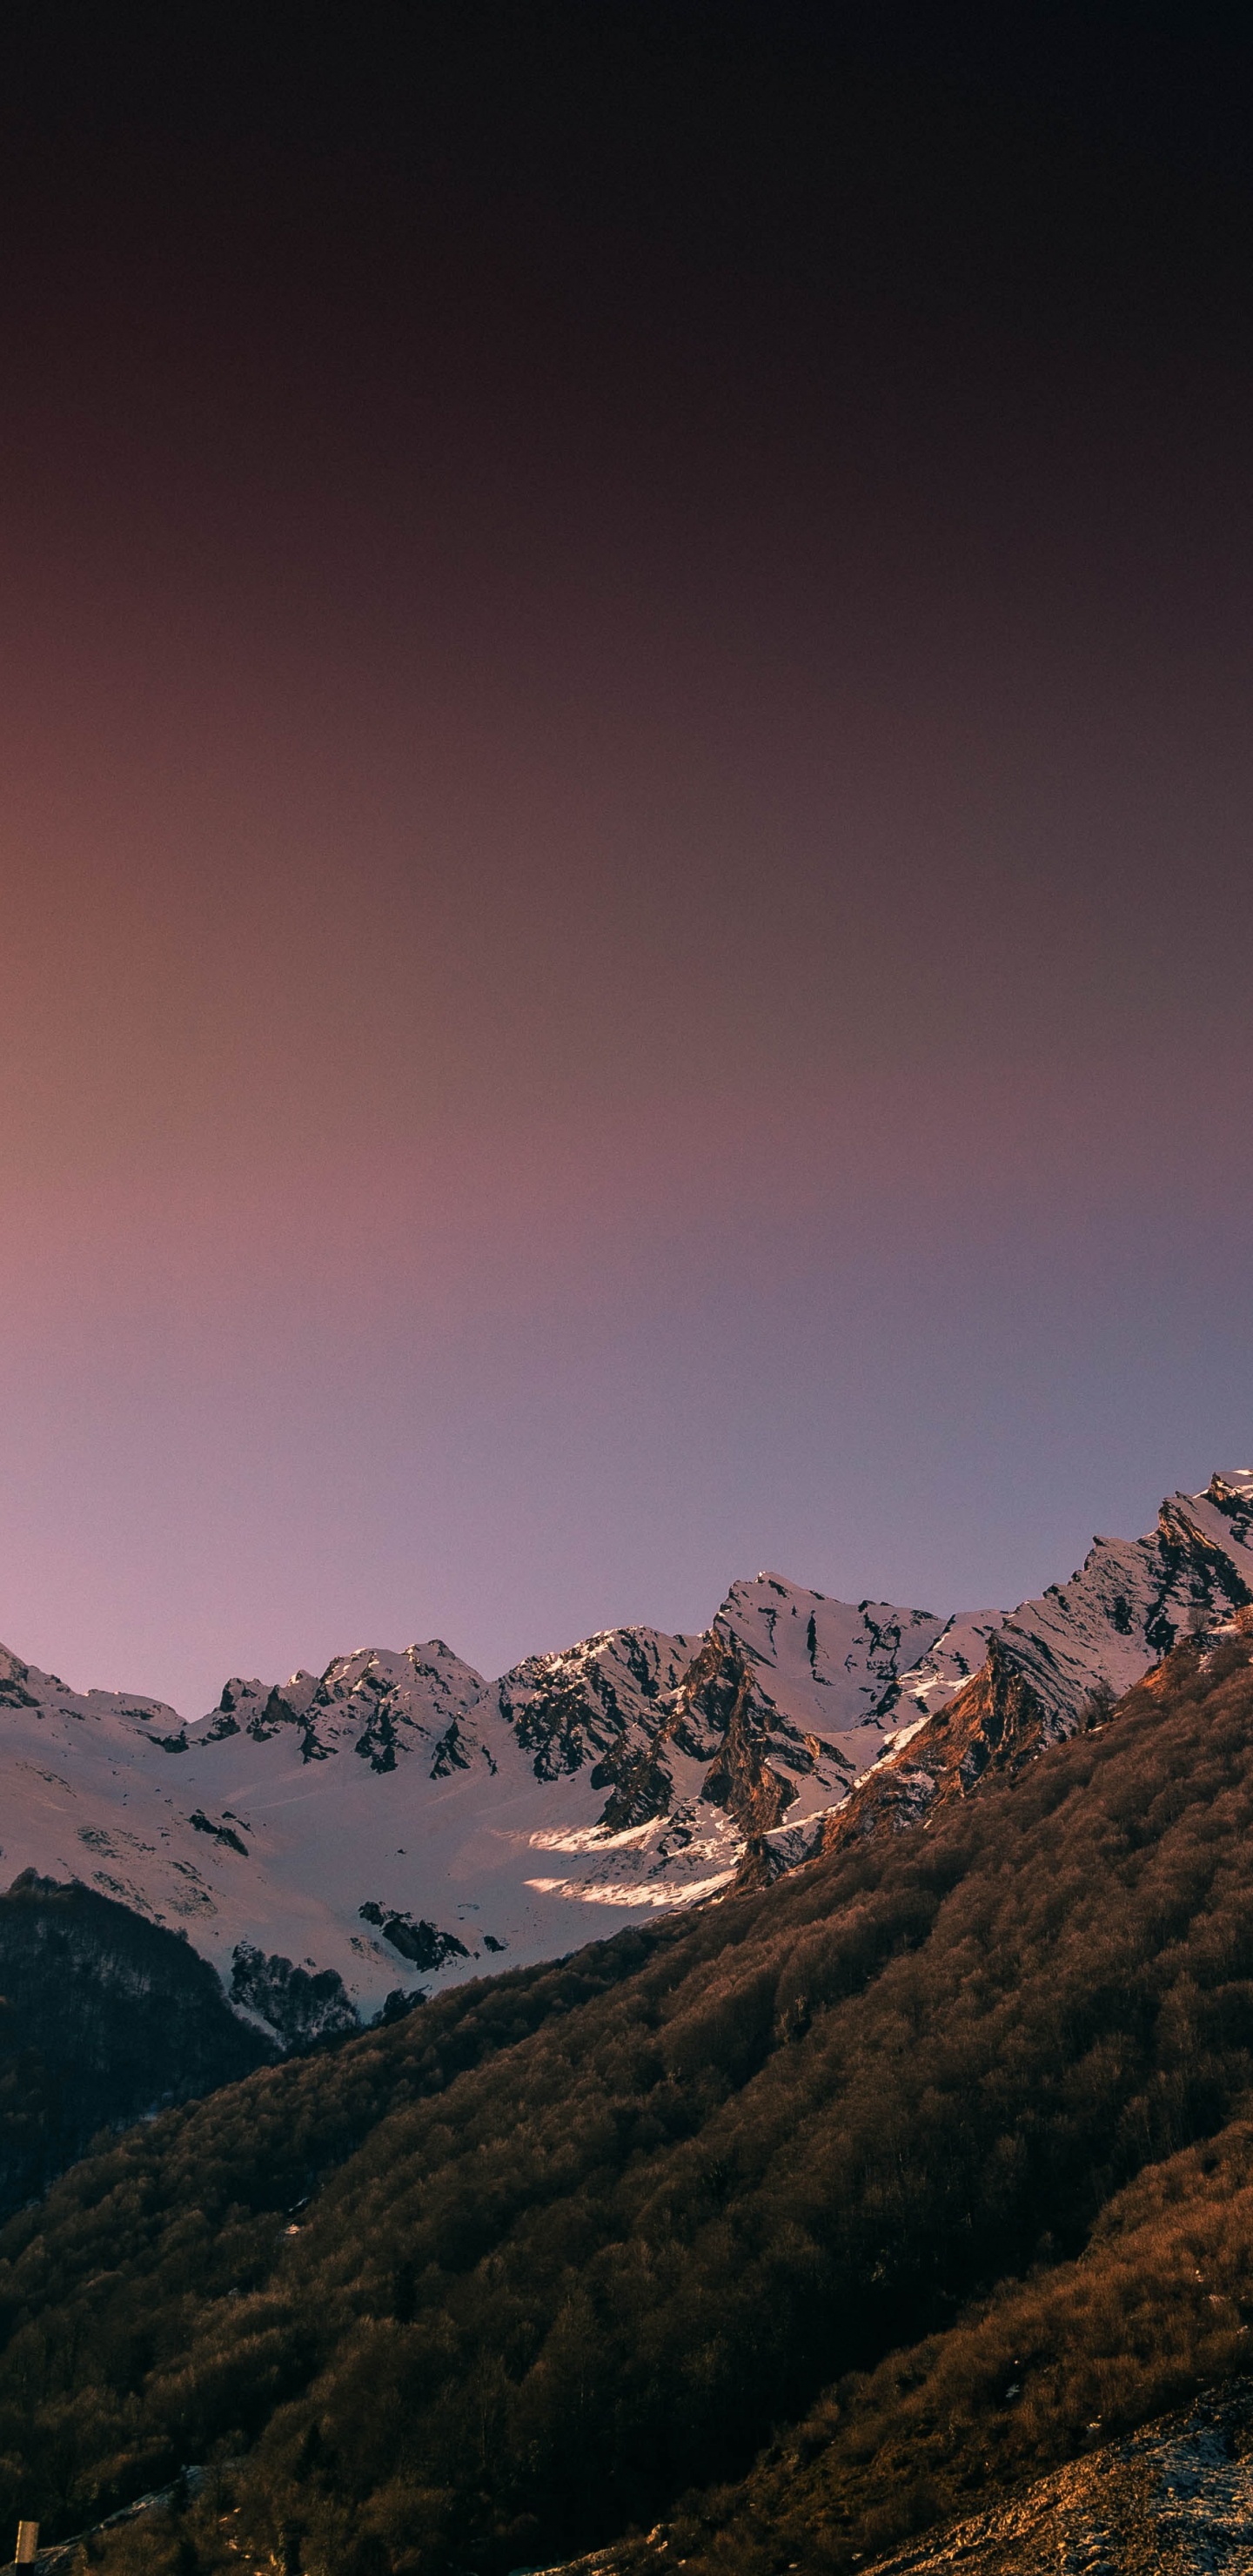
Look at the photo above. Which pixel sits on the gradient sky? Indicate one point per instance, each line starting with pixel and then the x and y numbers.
pixel 626 770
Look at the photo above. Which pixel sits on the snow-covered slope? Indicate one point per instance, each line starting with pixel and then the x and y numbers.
pixel 399 1821
pixel 838 1670
pixel 1130 1603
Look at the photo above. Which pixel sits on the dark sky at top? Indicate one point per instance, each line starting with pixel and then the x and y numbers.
pixel 624 810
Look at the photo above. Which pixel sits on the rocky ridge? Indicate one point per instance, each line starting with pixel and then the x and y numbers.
pixel 1059 1662
pixel 633 1770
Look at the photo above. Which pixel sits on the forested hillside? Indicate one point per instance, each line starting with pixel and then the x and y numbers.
pixel 103 2018
pixel 579 2246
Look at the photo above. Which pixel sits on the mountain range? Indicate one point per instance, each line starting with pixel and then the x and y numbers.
pixel 628 1775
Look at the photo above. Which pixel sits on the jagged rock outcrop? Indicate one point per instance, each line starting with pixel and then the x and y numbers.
pixel 377 1704
pixel 1054 1663
pixel 1131 1601
pixel 422 1943
pixel 600 1706
pixel 993 1726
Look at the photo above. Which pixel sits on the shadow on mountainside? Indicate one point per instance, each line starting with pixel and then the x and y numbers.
pixel 104 2019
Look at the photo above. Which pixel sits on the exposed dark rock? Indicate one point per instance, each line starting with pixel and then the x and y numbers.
pixel 221 1833
pixel 420 1941
pixel 399 2003
pixel 300 2004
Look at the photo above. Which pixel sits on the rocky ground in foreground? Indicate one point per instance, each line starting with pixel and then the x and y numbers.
pixel 1175 2499
pixel 1171 2500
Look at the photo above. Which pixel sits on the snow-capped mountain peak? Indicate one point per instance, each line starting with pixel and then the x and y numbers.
pixel 829 1665
pixel 1056 1662
pixel 381 1705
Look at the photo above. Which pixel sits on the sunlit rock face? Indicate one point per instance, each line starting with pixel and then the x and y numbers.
pixel 1059 1662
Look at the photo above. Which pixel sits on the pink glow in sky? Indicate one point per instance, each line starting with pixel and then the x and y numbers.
pixel 623 849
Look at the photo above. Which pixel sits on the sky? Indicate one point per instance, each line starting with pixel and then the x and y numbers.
pixel 625 795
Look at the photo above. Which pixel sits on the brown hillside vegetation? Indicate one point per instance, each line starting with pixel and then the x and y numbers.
pixel 1159 2304
pixel 584 2243
pixel 1173 2499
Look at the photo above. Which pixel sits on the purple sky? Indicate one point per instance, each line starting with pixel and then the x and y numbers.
pixel 625 791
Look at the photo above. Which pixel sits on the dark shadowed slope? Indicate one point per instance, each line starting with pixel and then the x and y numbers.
pixel 103 2018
